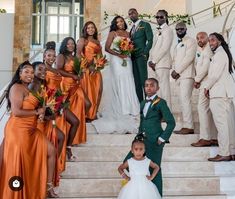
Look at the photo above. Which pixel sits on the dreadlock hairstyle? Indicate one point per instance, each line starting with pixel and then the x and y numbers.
pixel 226 49
pixel 166 15
pixel 16 80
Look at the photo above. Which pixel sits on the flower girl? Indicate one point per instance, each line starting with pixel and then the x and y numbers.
pixel 139 184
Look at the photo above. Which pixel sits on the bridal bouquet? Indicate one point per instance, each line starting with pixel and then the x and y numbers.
pixel 123 46
pixel 99 62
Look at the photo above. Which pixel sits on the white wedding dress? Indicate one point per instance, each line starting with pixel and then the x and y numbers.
pixel 119 108
pixel 139 187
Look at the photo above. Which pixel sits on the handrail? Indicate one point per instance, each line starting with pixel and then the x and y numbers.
pixel 226 19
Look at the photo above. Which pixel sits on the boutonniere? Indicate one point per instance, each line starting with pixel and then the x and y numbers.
pixel 182 45
pixel 156 101
pixel 198 54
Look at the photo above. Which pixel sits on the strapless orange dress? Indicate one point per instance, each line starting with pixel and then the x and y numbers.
pixel 53 81
pixel 91 83
pixel 24 155
pixel 76 102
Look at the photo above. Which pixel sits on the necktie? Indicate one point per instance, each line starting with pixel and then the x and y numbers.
pixel 133 30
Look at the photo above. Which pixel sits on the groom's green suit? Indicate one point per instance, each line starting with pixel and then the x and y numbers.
pixel 143 40
pixel 151 125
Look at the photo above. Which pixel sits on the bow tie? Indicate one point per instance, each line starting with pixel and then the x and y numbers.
pixel 180 40
pixel 159 28
pixel 148 100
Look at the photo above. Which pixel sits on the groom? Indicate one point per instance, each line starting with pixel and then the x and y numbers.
pixel 142 36
pixel 152 111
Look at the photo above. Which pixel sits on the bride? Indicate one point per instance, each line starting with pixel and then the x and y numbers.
pixel 120 102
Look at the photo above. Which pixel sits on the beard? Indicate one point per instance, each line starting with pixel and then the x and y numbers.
pixel 181 35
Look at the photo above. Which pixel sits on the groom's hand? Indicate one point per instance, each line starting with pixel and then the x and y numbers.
pixel 175 75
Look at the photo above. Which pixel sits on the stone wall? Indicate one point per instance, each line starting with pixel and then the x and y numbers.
pixel 93 11
pixel 22 31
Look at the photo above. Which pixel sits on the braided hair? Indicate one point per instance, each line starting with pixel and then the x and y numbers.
pixel 166 15
pixel 226 49
pixel 15 80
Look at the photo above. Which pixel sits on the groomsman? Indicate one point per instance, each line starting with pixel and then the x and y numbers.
pixel 219 87
pixel 207 128
pixel 160 58
pixel 184 71
pixel 142 36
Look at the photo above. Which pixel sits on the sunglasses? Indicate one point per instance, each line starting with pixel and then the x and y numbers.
pixel 177 29
pixel 159 17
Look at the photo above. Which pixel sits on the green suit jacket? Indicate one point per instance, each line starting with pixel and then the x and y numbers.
pixel 142 39
pixel 151 123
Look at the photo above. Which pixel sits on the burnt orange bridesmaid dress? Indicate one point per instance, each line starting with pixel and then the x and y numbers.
pixel 24 155
pixel 91 83
pixel 76 102
pixel 53 81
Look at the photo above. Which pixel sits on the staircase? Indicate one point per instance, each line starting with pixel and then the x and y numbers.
pixel 186 172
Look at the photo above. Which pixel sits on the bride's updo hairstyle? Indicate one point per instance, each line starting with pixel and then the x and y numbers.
pixel 114 26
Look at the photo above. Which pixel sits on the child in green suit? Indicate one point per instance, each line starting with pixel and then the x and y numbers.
pixel 152 111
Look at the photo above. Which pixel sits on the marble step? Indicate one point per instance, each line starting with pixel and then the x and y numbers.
pixel 167 197
pixel 126 139
pixel 116 153
pixel 111 187
pixel 109 169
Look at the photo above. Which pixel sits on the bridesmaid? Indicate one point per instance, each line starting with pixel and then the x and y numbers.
pixel 27 153
pixel 53 81
pixel 79 102
pixel 89 46
pixel 47 126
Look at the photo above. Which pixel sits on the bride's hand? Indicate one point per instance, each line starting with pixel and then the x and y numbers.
pixel 122 56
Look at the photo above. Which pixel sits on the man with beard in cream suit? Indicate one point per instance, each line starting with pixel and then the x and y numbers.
pixel 208 136
pixel 160 58
pixel 184 72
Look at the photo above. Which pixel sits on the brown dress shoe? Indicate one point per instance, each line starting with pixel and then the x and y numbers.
pixel 185 131
pixel 232 157
pixel 220 158
pixel 202 143
pixel 214 142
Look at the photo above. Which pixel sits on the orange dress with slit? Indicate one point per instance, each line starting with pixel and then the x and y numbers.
pixel 53 81
pixel 24 155
pixel 92 83
pixel 76 102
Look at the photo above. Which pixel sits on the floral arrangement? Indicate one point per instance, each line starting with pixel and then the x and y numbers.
pixel 52 99
pixel 123 46
pixel 99 62
pixel 79 65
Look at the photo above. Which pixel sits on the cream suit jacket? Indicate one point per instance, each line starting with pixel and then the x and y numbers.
pixel 184 56
pixel 220 82
pixel 202 63
pixel 160 52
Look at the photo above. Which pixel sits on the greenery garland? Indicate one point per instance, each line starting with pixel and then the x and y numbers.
pixel 3 10
pixel 172 18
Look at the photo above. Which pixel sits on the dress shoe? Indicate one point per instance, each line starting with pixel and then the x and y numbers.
pixel 220 158
pixel 185 131
pixel 214 142
pixel 232 157
pixel 202 143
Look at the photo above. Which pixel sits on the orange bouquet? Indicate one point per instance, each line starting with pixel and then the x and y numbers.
pixel 99 62
pixel 123 46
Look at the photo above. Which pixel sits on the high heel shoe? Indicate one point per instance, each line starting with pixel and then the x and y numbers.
pixel 50 191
